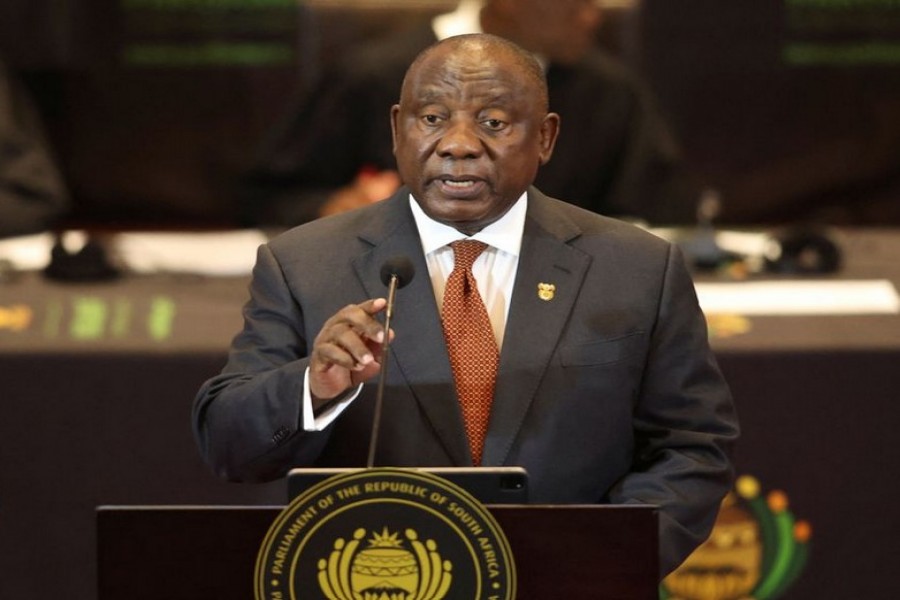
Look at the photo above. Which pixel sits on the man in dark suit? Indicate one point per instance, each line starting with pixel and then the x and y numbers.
pixel 615 156
pixel 606 389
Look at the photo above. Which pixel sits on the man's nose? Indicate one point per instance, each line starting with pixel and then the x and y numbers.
pixel 460 140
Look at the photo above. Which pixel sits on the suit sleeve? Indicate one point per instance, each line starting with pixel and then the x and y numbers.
pixel 685 424
pixel 248 420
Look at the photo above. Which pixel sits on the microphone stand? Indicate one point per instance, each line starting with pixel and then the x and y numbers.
pixel 379 395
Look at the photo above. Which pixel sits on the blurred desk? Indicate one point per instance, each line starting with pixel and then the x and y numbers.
pixel 97 385
pixel 818 401
pixel 872 254
pixel 98 382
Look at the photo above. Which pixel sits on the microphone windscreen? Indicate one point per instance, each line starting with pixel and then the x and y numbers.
pixel 399 266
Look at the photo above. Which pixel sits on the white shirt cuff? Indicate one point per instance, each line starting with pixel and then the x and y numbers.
pixel 311 422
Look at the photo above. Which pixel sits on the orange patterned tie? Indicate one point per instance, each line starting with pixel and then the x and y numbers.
pixel 470 342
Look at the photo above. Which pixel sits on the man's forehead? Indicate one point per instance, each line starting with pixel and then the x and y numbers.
pixel 483 92
pixel 469 62
pixel 472 57
pixel 479 78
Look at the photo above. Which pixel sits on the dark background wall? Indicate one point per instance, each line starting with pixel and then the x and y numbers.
pixel 790 108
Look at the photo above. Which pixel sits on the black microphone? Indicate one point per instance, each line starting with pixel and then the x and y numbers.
pixel 399 267
pixel 396 272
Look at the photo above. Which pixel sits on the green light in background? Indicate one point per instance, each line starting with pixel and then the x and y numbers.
pixel 53 319
pixel 172 5
pixel 209 54
pixel 121 318
pixel 853 5
pixel 161 318
pixel 832 54
pixel 89 316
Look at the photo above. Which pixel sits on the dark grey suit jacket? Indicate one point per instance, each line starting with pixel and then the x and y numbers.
pixel 606 393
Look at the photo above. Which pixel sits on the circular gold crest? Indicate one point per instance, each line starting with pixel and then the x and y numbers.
pixel 385 533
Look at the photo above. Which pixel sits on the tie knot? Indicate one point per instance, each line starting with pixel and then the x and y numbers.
pixel 465 252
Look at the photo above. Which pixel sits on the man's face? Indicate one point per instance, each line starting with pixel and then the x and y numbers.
pixel 470 133
pixel 560 30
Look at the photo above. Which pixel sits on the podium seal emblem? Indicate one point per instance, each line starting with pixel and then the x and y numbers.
pixel 385 534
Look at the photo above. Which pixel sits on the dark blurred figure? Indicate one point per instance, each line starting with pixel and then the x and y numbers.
pixel 615 155
pixel 32 193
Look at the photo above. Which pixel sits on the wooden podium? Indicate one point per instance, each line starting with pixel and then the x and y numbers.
pixel 209 552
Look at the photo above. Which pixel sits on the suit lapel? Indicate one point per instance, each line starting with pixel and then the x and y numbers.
pixel 419 351
pixel 546 258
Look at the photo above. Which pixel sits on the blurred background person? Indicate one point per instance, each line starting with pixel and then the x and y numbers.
pixel 32 193
pixel 615 154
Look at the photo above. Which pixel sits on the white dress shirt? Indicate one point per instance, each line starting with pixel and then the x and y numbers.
pixel 494 271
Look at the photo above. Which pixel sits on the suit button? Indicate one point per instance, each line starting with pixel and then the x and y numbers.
pixel 280 435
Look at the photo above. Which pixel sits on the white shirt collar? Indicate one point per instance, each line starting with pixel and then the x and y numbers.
pixel 504 234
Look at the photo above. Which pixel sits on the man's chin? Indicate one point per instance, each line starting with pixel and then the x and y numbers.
pixel 462 215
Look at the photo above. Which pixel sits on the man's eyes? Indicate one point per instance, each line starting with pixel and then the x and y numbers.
pixel 490 124
pixel 494 124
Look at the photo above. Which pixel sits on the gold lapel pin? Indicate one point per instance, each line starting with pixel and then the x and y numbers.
pixel 546 291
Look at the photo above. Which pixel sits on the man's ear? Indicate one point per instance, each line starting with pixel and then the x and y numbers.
pixel 549 133
pixel 395 115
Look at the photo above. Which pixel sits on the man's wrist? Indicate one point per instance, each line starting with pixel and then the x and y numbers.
pixel 318 413
pixel 323 405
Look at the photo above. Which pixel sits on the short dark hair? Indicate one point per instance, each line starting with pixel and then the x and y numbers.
pixel 524 58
